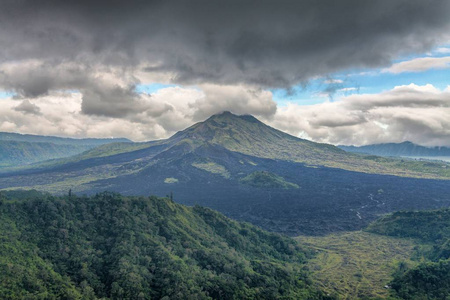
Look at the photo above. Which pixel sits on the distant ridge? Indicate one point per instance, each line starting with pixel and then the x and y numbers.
pixel 398 149
pixel 31 138
pixel 23 149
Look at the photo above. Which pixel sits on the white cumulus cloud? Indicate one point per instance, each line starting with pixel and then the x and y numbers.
pixel 420 64
pixel 140 117
pixel 420 114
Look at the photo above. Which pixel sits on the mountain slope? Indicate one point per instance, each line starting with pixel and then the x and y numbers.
pixel 18 150
pixel 239 166
pixel 111 247
pixel 8 136
pixel 398 149
pixel 357 264
pixel 247 135
pixel 403 255
pixel 431 230
pixel 13 153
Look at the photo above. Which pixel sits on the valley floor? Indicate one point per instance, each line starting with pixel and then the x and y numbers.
pixel 355 265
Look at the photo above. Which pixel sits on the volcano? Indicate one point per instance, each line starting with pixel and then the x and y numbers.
pixel 252 172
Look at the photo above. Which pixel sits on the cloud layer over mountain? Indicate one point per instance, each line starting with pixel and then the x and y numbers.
pixel 420 114
pixel 93 54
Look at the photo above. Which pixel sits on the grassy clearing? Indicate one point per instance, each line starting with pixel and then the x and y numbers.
pixel 357 264
pixel 266 179
pixel 170 180
pixel 213 168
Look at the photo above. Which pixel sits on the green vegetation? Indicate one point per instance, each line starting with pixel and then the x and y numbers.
pixel 30 138
pixel 112 247
pixel 431 230
pixel 13 153
pixel 59 183
pixel 409 167
pixel 170 180
pixel 428 226
pixel 404 255
pixel 213 168
pixel 23 149
pixel 112 149
pixel 430 280
pixel 356 265
pixel 266 179
pixel 100 151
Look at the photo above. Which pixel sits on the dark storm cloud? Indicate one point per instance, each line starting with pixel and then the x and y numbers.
pixel 267 43
pixel 34 78
pixel 112 101
pixel 232 51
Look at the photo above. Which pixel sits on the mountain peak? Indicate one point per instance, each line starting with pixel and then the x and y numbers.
pixel 239 133
pixel 224 125
pixel 224 113
pixel 227 115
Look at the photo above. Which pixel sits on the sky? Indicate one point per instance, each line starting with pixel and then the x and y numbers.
pixel 343 72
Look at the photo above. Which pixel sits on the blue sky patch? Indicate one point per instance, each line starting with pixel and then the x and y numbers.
pixel 5 94
pixel 152 87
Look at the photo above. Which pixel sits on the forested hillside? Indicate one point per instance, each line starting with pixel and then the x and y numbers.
pixel 431 278
pixel 31 138
pixel 398 149
pixel 111 247
pixel 24 149
pixel 14 153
